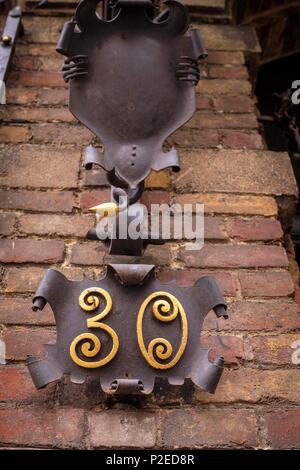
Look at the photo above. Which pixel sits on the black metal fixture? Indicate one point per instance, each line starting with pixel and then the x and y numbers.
pixel 132 76
pixel 11 31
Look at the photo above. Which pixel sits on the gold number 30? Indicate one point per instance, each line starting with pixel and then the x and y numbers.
pixel 166 308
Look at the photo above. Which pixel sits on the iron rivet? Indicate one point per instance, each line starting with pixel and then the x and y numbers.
pixel 6 39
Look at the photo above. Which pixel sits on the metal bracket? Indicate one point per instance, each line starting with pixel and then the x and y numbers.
pixel 12 29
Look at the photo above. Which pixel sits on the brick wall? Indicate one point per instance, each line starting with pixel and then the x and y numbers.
pixel 44 199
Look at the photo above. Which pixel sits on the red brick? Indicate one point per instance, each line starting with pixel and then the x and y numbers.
pixel 27 279
pixel 30 62
pixel 36 78
pixel 224 87
pixel 255 386
pixel 283 429
pixel 238 139
pixel 223 121
pixel 34 251
pixel 61 133
pixel 31 114
pixel 194 138
pixel 205 102
pixel 233 104
pixel 39 166
pixel 208 428
pixel 227 71
pixel 53 224
pixel 272 349
pixel 256 229
pixel 12 134
pixel 155 197
pixel 53 97
pixel 18 311
pixel 60 428
pixel 22 96
pixel 266 284
pixel 154 254
pixel 230 347
pixel 88 253
pixel 132 429
pixel 225 280
pixel 234 256
pixel 22 342
pixel 7 223
pixel 39 201
pixel 231 203
pixel 16 384
pixel 282 315
pixel 88 199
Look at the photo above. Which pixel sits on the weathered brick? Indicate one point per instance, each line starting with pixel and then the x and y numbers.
pixel 266 284
pixel 223 121
pixel 21 96
pixel 28 279
pixel 53 97
pixel 16 384
pixel 7 223
pixel 234 171
pixel 43 30
pixel 208 428
pixel 256 229
pixel 224 87
pixel 39 166
pixel 60 428
pixel 239 139
pixel 282 315
pixel 272 349
pixel 34 251
pixel 158 180
pixel 283 429
pixel 154 254
pixel 30 62
pixel 14 134
pixel 233 256
pixel 254 386
pixel 35 78
pixel 21 342
pixel 18 311
pixel 32 114
pixel 88 199
pixel 228 71
pixel 40 201
pixel 61 133
pixel 230 203
pixel 225 280
pixel 132 429
pixel 230 347
pixel 229 38
pixel 155 197
pixel 233 104
pixel 194 138
pixel 67 225
pixel 88 253
pixel 226 57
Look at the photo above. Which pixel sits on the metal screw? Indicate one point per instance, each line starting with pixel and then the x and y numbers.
pixel 6 39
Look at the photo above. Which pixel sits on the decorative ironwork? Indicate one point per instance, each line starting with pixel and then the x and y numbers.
pixel 131 293
pixel 12 29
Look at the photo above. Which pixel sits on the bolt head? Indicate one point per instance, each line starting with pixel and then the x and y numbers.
pixel 6 39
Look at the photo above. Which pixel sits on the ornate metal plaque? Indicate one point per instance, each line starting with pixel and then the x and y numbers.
pixel 127 329
pixel 132 82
